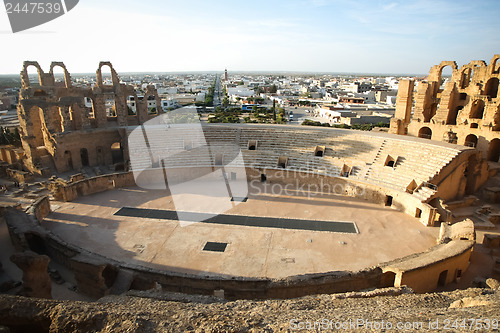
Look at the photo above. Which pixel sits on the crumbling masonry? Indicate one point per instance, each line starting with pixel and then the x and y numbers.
pixel 65 128
pixel 464 110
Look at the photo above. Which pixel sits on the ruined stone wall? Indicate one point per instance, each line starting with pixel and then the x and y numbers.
pixel 57 119
pixel 93 185
pixel 464 110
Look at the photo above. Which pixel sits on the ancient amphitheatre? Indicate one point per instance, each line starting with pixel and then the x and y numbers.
pixel 398 191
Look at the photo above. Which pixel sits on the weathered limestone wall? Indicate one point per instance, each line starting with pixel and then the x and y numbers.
pixel 465 110
pixel 10 154
pixel 440 265
pixel 55 120
pixel 93 185
pixel 19 175
pixel 426 278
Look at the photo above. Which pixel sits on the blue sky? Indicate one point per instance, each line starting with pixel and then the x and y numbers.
pixel 294 35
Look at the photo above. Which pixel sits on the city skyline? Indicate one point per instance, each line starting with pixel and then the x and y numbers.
pixel 334 36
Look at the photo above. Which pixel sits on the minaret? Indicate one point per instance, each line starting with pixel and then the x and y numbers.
pixel 225 74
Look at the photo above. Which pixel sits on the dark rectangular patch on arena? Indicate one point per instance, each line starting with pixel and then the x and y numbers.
pixel 215 247
pixel 239 199
pixel 241 220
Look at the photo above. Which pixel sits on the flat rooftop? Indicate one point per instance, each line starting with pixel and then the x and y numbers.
pixel 384 234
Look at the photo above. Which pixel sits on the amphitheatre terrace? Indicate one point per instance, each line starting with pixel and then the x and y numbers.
pixel 116 231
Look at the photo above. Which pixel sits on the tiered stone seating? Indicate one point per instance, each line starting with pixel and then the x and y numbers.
pixel 364 153
pixel 414 160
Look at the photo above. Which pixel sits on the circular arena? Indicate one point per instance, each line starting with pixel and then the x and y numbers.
pixel 256 211
pixel 244 211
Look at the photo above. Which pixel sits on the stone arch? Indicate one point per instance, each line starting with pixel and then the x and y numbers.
pixel 436 71
pixel 114 76
pixel 494 150
pixel 477 109
pixel 89 106
pixel 470 140
pixel 67 77
pixel 84 157
pixel 466 77
pixel 25 81
pixel 491 88
pixel 494 69
pixel 425 132
pixel 445 71
pixel 117 153
pixel 69 159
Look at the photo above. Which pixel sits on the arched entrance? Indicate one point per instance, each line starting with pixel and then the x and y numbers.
pixel 470 140
pixel 69 159
pixel 491 88
pixel 116 153
pixel 494 150
pixel 425 132
pixel 84 155
pixel 477 109
pixel 466 77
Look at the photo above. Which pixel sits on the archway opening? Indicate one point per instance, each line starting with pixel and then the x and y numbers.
pixel 494 150
pixel 68 159
pixel 445 76
pixel 110 106
pixel 84 156
pixel 116 153
pixel 107 78
pixel 89 106
pixel 59 76
pixel 470 140
pixel 466 77
pixel 477 109
pixel 442 278
pixel 425 132
pixel 491 88
pixel 33 76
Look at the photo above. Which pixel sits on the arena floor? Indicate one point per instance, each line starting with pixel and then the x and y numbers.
pixel 383 234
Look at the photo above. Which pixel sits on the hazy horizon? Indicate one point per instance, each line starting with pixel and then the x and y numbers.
pixel 312 36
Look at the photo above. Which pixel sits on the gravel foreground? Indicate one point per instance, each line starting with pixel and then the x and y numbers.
pixel 458 311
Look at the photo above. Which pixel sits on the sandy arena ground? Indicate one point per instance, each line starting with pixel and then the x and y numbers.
pixel 384 234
